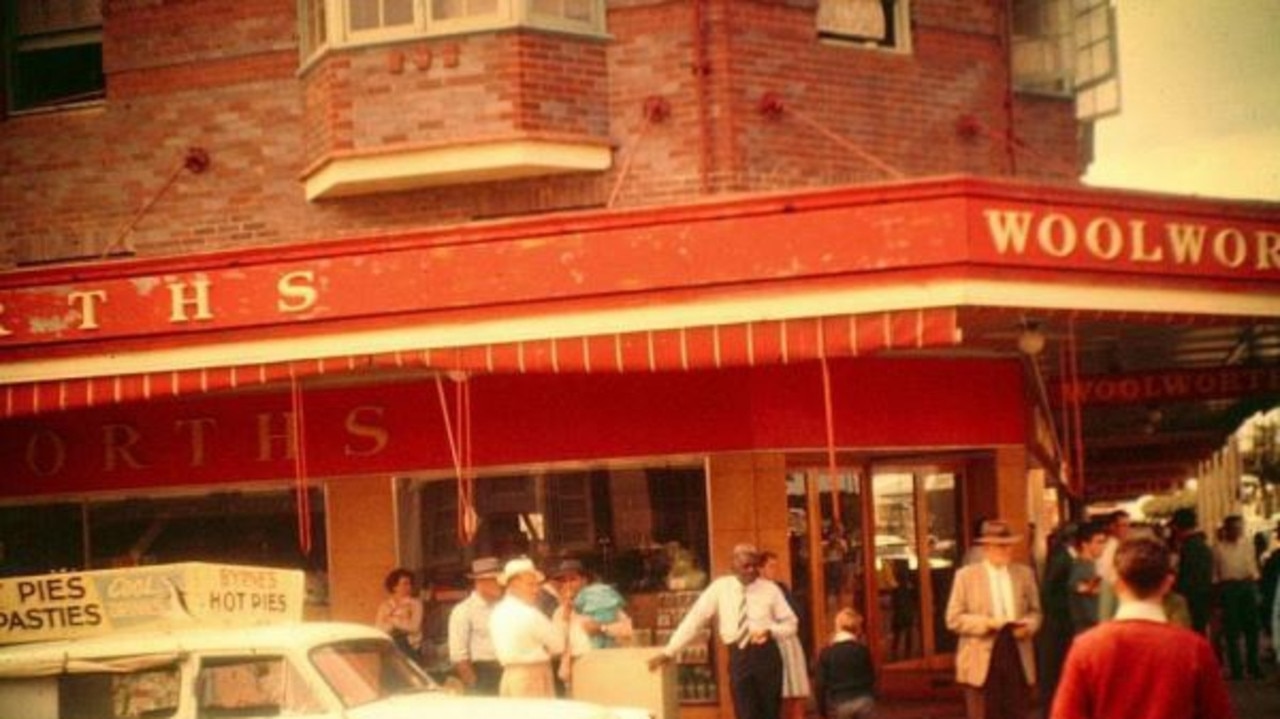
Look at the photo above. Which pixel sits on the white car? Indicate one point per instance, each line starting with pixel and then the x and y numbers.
pixel 318 670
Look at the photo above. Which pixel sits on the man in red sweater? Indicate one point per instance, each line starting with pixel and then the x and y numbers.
pixel 1139 666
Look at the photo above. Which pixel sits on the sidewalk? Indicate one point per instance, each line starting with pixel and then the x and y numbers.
pixel 1252 699
pixel 1258 699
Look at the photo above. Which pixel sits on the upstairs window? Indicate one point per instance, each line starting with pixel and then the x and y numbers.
pixel 1067 48
pixel 872 23
pixel 326 23
pixel 52 53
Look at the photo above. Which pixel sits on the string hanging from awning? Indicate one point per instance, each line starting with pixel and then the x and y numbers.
pixel 302 498
pixel 829 408
pixel 460 451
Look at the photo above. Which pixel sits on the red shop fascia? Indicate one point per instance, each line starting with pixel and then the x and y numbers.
pixel 676 330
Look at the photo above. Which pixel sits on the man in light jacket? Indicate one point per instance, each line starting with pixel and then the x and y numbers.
pixel 995 608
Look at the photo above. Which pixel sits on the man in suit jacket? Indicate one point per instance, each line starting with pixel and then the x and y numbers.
pixel 995 608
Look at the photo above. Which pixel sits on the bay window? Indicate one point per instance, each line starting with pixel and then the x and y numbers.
pixel 330 23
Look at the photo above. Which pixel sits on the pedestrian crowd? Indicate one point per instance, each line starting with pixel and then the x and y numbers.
pixel 1120 623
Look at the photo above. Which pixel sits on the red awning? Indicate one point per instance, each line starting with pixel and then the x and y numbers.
pixel 731 345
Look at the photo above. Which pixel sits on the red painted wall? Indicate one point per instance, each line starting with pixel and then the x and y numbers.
pixel 878 403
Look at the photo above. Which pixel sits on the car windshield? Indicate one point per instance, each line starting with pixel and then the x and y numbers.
pixel 366 670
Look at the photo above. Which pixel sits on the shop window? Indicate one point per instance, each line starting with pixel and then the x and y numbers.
pixel 41 539
pixel 872 23
pixel 52 53
pixel 642 529
pixel 258 528
pixel 361 22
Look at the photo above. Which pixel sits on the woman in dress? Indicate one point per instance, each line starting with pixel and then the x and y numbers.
pixel 795 669
pixel 401 614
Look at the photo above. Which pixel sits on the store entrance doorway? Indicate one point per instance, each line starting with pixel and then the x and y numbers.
pixel 886 538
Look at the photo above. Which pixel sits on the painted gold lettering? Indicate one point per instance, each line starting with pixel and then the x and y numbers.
pixel 1060 243
pixel 1186 241
pixel 46 453
pixel 267 438
pixel 4 331
pixel 1268 250
pixel 1008 230
pixel 297 291
pixel 1230 248
pixel 196 431
pixel 375 435
pixel 119 442
pixel 1104 238
pixel 1140 252
pixel 182 300
pixel 88 302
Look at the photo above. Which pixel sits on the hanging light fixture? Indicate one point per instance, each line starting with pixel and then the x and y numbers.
pixel 1031 340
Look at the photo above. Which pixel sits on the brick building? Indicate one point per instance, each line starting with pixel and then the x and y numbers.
pixel 351 284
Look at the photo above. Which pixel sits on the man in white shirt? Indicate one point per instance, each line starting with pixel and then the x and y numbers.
pixel 752 612
pixel 524 639
pixel 470 645
pixel 995 609
pixel 1235 567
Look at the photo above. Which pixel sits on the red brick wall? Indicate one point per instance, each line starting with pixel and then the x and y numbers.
pixel 224 75
pixel 450 90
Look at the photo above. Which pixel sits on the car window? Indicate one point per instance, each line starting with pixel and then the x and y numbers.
pixel 364 671
pixel 252 687
pixel 147 693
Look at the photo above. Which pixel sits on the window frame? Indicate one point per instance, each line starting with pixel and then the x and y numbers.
pixel 899 25
pixel 335 30
pixel 13 44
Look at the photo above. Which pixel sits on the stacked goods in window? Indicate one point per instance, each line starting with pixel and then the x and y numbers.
pixel 696 675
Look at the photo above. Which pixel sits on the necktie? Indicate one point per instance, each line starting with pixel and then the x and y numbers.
pixel 740 638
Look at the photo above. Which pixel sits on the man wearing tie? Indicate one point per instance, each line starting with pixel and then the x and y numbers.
pixel 995 609
pixel 752 614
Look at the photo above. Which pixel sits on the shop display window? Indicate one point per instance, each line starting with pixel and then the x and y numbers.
pixel 257 528
pixel 641 529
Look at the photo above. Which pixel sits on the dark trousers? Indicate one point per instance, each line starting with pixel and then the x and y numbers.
pixel 488 677
pixel 755 676
pixel 1240 616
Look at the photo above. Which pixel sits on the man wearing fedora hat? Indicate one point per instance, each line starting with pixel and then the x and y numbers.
pixel 524 639
pixel 995 608
pixel 470 645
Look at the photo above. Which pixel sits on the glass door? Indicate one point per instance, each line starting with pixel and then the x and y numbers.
pixel 826 539
pixel 916 515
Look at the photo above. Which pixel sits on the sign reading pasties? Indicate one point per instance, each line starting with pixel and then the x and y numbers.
pixel 170 596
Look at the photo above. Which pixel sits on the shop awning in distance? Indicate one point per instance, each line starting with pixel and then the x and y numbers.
pixel 729 282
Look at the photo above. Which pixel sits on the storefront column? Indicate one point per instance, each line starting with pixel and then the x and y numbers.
pixel 362 546
pixel 1012 488
pixel 747 502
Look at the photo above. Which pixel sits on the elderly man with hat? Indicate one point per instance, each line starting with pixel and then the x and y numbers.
pixel 524 639
pixel 995 608
pixel 470 645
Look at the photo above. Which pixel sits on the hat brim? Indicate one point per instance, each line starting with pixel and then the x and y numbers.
pixel 504 580
pixel 485 575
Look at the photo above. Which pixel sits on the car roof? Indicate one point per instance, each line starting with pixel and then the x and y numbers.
pixel 258 639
